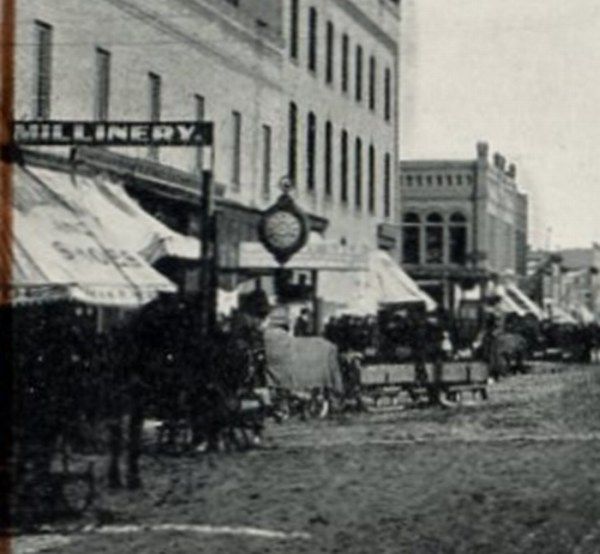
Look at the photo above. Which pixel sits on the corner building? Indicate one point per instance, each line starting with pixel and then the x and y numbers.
pixel 294 87
pixel 464 224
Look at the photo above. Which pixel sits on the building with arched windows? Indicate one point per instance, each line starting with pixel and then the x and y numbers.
pixel 464 222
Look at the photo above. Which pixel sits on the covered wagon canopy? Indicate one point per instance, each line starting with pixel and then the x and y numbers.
pixel 61 249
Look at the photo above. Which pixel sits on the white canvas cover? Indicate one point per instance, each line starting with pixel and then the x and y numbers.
pixel 109 208
pixel 520 298
pixel 57 249
pixel 364 292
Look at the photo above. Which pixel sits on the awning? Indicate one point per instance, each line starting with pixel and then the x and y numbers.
pixel 59 253
pixel 317 254
pixel 103 200
pixel 525 304
pixel 364 292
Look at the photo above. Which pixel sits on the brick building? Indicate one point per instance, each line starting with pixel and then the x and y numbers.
pixel 308 89
pixel 463 222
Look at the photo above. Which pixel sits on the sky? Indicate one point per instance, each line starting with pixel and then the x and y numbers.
pixel 523 75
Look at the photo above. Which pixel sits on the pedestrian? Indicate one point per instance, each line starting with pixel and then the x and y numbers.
pixel 302 327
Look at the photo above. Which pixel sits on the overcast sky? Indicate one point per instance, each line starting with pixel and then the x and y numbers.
pixel 523 75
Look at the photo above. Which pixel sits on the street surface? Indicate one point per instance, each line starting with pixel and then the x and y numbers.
pixel 518 473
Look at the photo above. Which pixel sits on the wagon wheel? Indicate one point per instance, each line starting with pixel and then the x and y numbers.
pixel 319 405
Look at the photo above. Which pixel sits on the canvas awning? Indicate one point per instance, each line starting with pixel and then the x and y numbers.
pixel 103 200
pixel 58 252
pixel 364 292
pixel 524 303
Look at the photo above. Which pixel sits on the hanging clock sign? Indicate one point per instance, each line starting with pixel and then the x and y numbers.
pixel 283 228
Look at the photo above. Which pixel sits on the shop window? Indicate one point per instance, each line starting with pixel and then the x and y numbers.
pixel 434 239
pixel 411 238
pixel 458 239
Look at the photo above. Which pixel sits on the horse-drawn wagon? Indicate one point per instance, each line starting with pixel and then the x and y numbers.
pixel 450 379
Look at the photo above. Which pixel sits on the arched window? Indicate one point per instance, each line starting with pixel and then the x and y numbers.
pixel 411 238
pixel 457 234
pixel 434 239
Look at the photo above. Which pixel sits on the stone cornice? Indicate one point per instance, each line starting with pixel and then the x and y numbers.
pixel 357 14
pixel 195 41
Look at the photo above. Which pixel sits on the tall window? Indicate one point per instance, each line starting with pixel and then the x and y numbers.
pixel 387 99
pixel 154 84
pixel 372 83
pixel 293 143
pixel 236 165
pixel 312 39
pixel 358 173
pixel 371 191
pixel 328 158
pixel 200 109
pixel 266 160
pixel 358 74
pixel 457 235
pixel 102 97
pixel 387 182
pixel 344 167
pixel 345 61
pixel 330 53
pixel 434 239
pixel 411 238
pixel 43 70
pixel 294 10
pixel 311 144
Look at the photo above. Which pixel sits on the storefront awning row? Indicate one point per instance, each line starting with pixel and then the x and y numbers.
pixel 82 239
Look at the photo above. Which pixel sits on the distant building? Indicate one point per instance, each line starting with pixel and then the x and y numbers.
pixel 464 223
pixel 298 88
pixel 567 279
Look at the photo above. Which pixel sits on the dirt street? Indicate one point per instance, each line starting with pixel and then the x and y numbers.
pixel 518 473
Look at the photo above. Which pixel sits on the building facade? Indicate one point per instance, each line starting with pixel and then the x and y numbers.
pixel 293 87
pixel 464 222
pixel 567 280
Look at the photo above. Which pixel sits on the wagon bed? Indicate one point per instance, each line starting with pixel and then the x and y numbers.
pixel 456 377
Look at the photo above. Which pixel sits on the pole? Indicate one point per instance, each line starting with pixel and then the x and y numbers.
pixel 207 251
pixel 316 309
pixel 7 32
pixel 7 61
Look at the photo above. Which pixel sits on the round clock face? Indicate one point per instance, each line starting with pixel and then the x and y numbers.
pixel 283 229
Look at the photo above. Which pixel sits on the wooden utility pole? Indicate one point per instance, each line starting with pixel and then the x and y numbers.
pixel 207 257
pixel 7 42
pixel 7 77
